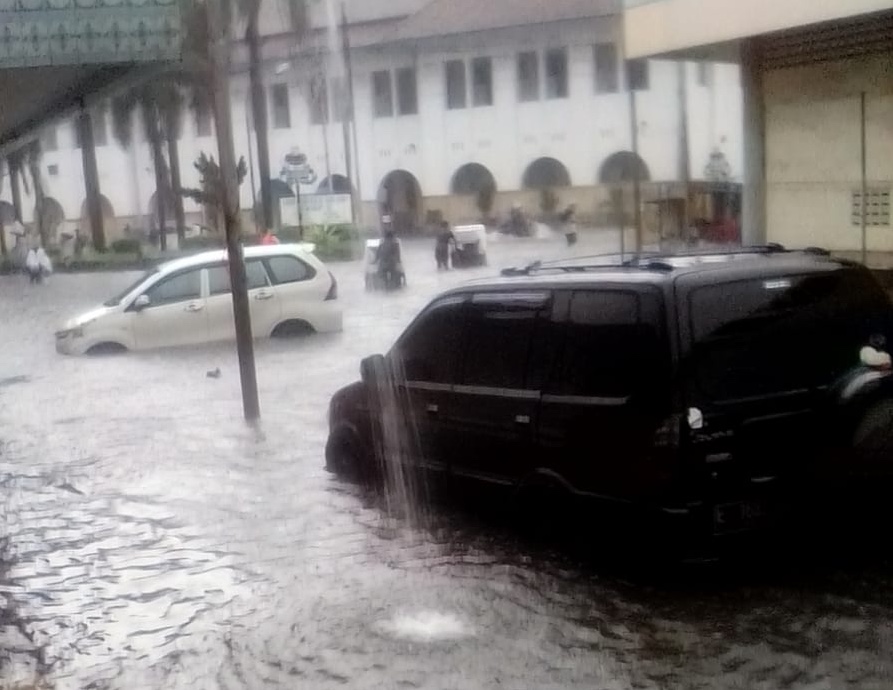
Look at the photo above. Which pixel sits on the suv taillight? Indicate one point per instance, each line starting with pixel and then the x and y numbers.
pixel 333 289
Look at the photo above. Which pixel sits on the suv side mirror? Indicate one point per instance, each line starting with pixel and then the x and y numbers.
pixel 141 302
pixel 372 370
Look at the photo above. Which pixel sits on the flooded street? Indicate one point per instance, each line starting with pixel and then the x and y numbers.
pixel 150 539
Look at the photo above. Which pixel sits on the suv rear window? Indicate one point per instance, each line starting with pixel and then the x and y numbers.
pixel 762 336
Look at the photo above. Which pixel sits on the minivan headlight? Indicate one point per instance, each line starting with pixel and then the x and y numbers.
pixel 77 332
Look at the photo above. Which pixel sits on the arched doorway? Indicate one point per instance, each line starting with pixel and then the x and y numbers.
pixel 618 170
pixel 109 221
pixel 7 213
pixel 400 197
pixel 545 173
pixel 471 178
pixel 334 184
pixel 51 218
pixel 623 166
pixel 7 218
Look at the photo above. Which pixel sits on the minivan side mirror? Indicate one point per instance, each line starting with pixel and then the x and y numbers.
pixel 372 370
pixel 141 302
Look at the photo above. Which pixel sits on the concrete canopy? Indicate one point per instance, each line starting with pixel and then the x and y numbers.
pixel 59 55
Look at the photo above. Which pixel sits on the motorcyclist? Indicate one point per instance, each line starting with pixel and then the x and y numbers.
pixel 389 262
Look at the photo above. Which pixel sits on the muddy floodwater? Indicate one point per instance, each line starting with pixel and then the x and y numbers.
pixel 149 539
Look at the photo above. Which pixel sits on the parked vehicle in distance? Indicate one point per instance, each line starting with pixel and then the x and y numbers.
pixel 470 248
pixel 703 388
pixel 188 301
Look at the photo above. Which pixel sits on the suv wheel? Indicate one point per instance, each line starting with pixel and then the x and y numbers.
pixel 345 457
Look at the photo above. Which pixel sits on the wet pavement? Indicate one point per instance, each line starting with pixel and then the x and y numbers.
pixel 151 540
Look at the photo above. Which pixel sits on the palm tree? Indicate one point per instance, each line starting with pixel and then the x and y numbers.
pixel 149 99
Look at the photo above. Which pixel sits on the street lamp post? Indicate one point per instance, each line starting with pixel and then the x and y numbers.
pixel 297 171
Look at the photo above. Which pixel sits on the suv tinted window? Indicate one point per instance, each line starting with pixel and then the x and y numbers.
pixel 288 269
pixel 499 335
pixel 180 287
pixel 218 277
pixel 428 349
pixel 763 336
pixel 612 344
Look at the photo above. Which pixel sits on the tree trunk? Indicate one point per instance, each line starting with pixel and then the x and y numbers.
pixel 259 113
pixel 39 202
pixel 154 136
pixel 173 155
pixel 91 180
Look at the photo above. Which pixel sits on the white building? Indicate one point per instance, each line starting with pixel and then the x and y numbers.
pixel 447 92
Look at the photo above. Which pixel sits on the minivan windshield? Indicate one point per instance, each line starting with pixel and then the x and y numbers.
pixel 116 300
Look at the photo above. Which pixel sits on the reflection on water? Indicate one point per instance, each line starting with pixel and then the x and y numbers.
pixel 148 539
pixel 426 626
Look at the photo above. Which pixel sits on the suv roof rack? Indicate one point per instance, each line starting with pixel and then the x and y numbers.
pixel 649 261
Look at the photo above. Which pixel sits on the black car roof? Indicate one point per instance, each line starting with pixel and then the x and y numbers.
pixel 662 269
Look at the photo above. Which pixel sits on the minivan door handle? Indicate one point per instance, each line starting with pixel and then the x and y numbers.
pixel 432 408
pixel 193 306
pixel 522 419
pixel 263 295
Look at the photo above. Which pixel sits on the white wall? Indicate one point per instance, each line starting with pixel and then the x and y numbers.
pixel 813 150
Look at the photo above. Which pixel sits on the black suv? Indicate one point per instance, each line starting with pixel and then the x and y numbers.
pixel 696 385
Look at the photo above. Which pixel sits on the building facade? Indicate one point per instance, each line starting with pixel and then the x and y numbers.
pixel 817 83
pixel 521 95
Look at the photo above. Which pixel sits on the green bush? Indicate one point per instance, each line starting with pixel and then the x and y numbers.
pixel 333 242
pixel 126 245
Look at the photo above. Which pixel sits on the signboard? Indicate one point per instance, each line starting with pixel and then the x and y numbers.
pixel 317 209
pixel 60 32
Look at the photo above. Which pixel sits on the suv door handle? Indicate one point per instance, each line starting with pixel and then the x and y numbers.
pixel 432 408
pixel 194 306
pixel 522 419
pixel 263 295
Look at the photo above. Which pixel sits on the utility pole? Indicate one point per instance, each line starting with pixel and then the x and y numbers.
pixel 224 125
pixel 863 166
pixel 637 174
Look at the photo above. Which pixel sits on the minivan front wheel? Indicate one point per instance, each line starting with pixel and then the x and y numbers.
pixel 106 349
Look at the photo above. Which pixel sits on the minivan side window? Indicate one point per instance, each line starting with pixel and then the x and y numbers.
pixel 428 350
pixel 612 345
pixel 180 287
pixel 288 269
pixel 499 336
pixel 218 277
